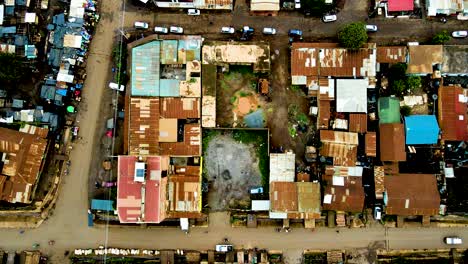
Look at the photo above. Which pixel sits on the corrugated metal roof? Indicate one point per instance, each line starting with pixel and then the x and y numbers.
pixel 393 54
pixel 351 95
pixel 412 194
pixel 283 196
pixel 180 108
pixel 421 129
pixel 103 205
pixel 339 137
pixel 379 179
pixel 143 133
pixel 184 189
pixel 400 5
pixel 169 52
pixel 24 152
pixel 309 198
pixel 347 198
pixel 358 123
pixel 452 113
pixel 327 59
pixel 282 167
pixel 371 144
pixel 145 69
pixel 323 114
pixel 169 88
pixel 389 110
pixel 392 142
pixel 190 146
pixel 422 57
pixel 265 5
pixel 342 146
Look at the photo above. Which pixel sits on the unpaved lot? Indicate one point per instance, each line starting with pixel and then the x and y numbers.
pixel 232 169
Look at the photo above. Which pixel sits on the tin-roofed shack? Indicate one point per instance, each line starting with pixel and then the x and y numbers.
pixel 22 161
pixel 392 142
pixel 422 58
pixel 392 54
pixel 452 115
pixel 343 192
pixel 341 146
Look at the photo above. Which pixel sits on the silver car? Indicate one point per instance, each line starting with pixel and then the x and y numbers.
pixel 228 30
pixel 176 30
pixel 269 31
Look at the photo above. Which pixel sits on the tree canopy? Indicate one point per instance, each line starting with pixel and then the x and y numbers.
pixel 11 68
pixel 441 37
pixel 315 7
pixel 353 36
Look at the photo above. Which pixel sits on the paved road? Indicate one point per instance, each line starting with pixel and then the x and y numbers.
pixel 68 225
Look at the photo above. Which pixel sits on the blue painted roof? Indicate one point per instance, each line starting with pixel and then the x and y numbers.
pixel 255 119
pixel 421 129
pixel 103 205
pixel 59 19
pixel 145 69
pixel 169 88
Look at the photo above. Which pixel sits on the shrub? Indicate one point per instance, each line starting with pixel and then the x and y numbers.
pixel 353 36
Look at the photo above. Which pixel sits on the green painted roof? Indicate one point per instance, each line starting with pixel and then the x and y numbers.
pixel 389 110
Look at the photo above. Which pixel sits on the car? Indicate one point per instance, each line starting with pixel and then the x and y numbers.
pixel 247 29
pixel 460 34
pixel 328 18
pixel 193 12
pixel 256 190
pixel 453 240
pixel 269 31
pixel 176 30
pixel 141 25
pixel 371 28
pixel 228 30
pixel 295 33
pixel 161 30
pixel 115 86
pixel 224 248
pixel 377 213
pixel 297 4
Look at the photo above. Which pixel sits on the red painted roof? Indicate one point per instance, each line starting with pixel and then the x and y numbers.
pixel 400 5
pixel 129 200
pixel 452 113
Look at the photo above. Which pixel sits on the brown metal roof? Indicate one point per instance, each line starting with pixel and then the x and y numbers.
pixel 183 188
pixel 412 194
pixel 358 123
pixel 379 178
pixel 452 116
pixel 393 54
pixel 303 177
pixel 180 108
pixel 422 57
pixel 339 137
pixel 24 153
pixel 143 123
pixel 347 198
pixel 371 144
pixel 283 196
pixel 190 146
pixel 392 142
pixel 342 146
pixel 332 60
pixel 323 114
pixel 309 199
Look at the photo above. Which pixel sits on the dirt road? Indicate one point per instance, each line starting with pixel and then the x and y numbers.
pixel 68 225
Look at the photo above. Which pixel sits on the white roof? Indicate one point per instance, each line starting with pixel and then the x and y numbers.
pixel 64 77
pixel 327 199
pixel 72 41
pixel 277 215
pixel 265 5
pixel 2 8
pixel 260 205
pixel 30 18
pixel 282 167
pixel 184 223
pixel 351 95
pixel 449 173
pixel 338 181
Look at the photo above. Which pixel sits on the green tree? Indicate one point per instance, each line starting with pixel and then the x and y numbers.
pixel 316 7
pixel 441 37
pixel 353 36
pixel 11 68
pixel 397 72
pixel 398 87
pixel 405 110
pixel 413 82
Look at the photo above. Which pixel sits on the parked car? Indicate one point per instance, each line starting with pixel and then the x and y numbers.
pixel 295 33
pixel 256 190
pixel 371 28
pixel 141 25
pixel 453 240
pixel 176 30
pixel 247 29
pixel 460 34
pixel 193 12
pixel 269 31
pixel 328 18
pixel 228 30
pixel 297 4
pixel 377 213
pixel 115 86
pixel 223 248
pixel 161 30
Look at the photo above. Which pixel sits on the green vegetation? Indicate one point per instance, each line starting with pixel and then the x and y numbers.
pixel 353 36
pixel 244 94
pixel 119 56
pixel 292 131
pixel 405 110
pixel 295 88
pixel 12 68
pixel 315 258
pixel 259 138
pixel 316 7
pixel 441 37
pixel 398 87
pixel 400 84
pixel 233 99
pixel 413 82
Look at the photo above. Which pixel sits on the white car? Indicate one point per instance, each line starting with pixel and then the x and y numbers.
pixel 460 34
pixel 115 86
pixel 223 248
pixel 297 4
pixel 141 25
pixel 176 30
pixel 377 213
pixel 161 30
pixel 453 240
pixel 371 28
pixel 269 31
pixel 228 30
pixel 328 18
pixel 193 12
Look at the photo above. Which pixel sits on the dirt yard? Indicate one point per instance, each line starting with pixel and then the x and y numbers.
pixel 232 168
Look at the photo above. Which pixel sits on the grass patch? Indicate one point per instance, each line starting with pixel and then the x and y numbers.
pixel 233 99
pixel 224 85
pixel 259 138
pixel 244 94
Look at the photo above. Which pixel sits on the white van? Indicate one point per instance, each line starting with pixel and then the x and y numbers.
pixel 115 86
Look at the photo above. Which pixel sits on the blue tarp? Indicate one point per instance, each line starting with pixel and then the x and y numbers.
pixel 102 205
pixel 54 57
pixel 50 27
pixel 255 119
pixel 421 129
pixel 9 10
pixel 62 92
pixel 20 2
pixel 59 19
pixel 17 103
pixel 46 117
pixel 21 40
pixel 30 51
pixel 7 30
pixel 47 92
